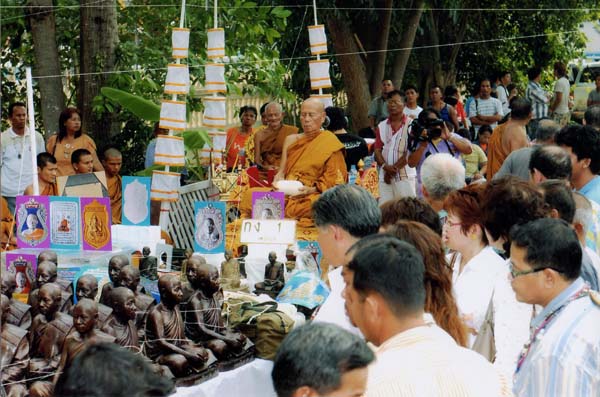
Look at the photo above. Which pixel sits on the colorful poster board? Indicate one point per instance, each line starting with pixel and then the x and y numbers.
pixel 136 200
pixel 65 223
pixel 309 256
pixel 268 205
pixel 33 223
pixel 24 267
pixel 95 223
pixel 209 233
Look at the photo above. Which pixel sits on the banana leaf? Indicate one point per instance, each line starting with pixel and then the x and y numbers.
pixel 143 108
pixel 196 139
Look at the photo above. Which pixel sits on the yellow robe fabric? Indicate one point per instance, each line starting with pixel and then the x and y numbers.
pixel 272 146
pixel 316 163
pixel 7 223
pixel 115 194
pixel 50 190
pixel 496 154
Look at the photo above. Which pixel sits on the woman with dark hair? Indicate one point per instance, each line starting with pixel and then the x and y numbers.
pixel 69 138
pixel 439 301
pixel 238 136
pixel 409 209
pixel 356 147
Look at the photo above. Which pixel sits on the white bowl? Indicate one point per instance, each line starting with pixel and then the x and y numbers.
pixel 291 188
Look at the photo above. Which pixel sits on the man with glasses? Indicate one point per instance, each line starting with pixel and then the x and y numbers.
pixel 562 355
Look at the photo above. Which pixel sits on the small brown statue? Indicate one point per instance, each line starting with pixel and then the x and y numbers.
pixel 48 255
pixel 19 313
pixel 14 354
pixel 115 264
pixel 188 254
pixel 274 278
pixel 148 265
pixel 166 343
pixel 203 320
pixel 242 254
pixel 87 287
pixel 121 323
pixel 48 332
pixel 85 316
pixel 230 273
pixel 129 277
pixel 47 273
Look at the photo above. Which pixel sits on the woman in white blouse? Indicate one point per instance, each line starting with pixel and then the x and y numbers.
pixel 480 275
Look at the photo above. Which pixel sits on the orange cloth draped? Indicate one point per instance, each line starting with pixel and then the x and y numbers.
pixel 316 163
pixel 496 154
pixel 62 151
pixel 236 141
pixel 51 189
pixel 115 194
pixel 272 144
pixel 7 223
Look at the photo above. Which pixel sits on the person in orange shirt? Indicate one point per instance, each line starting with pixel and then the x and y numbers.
pixel 237 136
pixel 112 161
pixel 47 169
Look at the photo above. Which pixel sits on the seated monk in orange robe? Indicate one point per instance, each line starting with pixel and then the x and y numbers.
pixel 315 158
pixel 268 142
pixel 47 169
pixel 112 161
pixel 8 241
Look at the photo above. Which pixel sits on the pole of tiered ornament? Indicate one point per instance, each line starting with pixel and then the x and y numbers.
pixel 32 134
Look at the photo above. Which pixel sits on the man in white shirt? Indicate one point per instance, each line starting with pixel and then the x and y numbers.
pixel 385 298
pixel 502 91
pixel 411 108
pixel 560 104
pixel 343 215
pixel 16 160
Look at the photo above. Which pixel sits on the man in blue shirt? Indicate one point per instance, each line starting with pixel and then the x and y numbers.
pixel 583 144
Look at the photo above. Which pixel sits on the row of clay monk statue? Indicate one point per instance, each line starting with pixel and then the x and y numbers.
pixel 183 335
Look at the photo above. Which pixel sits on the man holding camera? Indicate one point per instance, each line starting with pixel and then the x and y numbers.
pixel 429 135
pixel 396 179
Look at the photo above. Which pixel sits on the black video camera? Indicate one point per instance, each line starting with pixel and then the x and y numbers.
pixel 415 135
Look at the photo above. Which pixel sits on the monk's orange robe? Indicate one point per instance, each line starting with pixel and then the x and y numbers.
pixel 115 193
pixel 7 223
pixel 496 154
pixel 272 145
pixel 316 163
pixel 50 190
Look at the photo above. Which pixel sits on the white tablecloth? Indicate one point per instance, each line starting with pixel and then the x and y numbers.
pixel 250 380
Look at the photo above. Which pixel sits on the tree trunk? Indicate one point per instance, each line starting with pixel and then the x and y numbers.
pixel 99 39
pixel 353 71
pixel 43 33
pixel 378 58
pixel 407 41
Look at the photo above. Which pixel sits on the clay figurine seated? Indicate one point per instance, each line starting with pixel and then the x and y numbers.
pixel 121 323
pixel 14 354
pixel 115 264
pixel 274 278
pixel 129 277
pixel 19 313
pixel 165 341
pixel 87 287
pixel 47 273
pixel 188 254
pixel 203 322
pixel 47 333
pixel 242 254
pixel 148 265
pixel 231 278
pixel 51 256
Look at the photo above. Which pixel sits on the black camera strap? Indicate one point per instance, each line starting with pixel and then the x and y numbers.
pixel 447 145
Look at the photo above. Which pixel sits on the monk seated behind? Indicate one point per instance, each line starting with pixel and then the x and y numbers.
pixel 315 158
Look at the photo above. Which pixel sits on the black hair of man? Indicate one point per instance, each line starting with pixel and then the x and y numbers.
pixel 584 142
pixel 92 374
pixel 534 72
pixel 592 117
pixel 337 118
pixel 397 93
pixel 410 209
pixel 510 201
pixel 550 243
pixel 551 161
pixel 350 207
pixel 44 158
pixel 317 355
pixel 559 197
pixel 391 268
pixel 247 108
pixel 14 105
pixel 78 154
pixel 411 87
pixel 263 108
pixel 520 108
pixel 546 131
pixel 485 129
pixel 450 90
pixel 425 113
pixel 560 69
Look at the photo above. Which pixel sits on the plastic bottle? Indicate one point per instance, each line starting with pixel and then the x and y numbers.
pixel 352 175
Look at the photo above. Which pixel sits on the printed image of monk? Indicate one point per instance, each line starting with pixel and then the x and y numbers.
pixel 32 229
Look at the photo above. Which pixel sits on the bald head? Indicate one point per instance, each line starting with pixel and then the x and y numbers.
pixel 119 295
pixel 112 153
pixel 112 162
pixel 312 115
pixel 51 289
pixel 166 281
pixel 86 305
pixel 115 264
pixel 48 255
pixel 46 273
pixel 129 277
pixel 87 287
pixel 8 284
pixel 315 104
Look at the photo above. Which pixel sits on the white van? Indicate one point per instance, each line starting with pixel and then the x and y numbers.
pixel 581 75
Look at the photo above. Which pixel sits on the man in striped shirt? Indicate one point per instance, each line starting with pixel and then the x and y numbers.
pixel 385 297
pixel 562 357
pixel 539 100
pixel 485 110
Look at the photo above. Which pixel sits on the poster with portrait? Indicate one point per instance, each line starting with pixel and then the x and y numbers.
pixel 268 205
pixel 95 223
pixel 136 200
pixel 24 267
pixel 65 226
pixel 209 231
pixel 33 223
pixel 309 256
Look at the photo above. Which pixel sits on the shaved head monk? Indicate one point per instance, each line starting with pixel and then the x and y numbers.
pixel 47 170
pixel 268 142
pixel 112 161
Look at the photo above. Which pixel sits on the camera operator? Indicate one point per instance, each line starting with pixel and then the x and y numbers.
pixel 429 135
pixel 391 151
